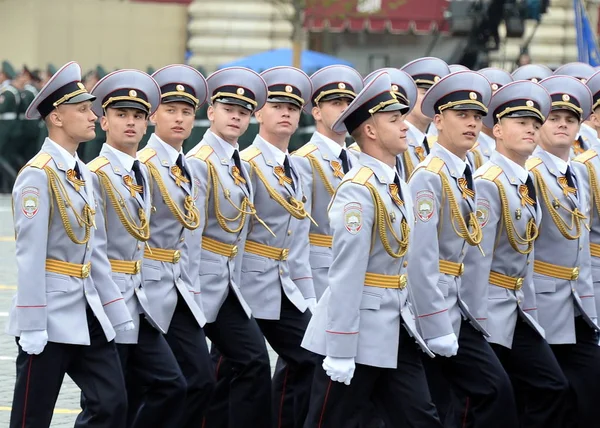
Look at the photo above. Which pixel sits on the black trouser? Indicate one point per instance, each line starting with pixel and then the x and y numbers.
pixel 401 395
pixel 540 386
pixel 188 343
pixel 150 366
pixel 475 372
pixel 580 363
pixel 243 394
pixel 96 370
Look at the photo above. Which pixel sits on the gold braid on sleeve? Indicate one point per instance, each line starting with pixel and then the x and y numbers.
pixel 85 220
pixel 141 232
pixel 472 233
pixel 516 240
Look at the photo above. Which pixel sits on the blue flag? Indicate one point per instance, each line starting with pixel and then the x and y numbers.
pixel 587 46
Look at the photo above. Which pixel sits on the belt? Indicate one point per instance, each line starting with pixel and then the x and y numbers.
pixel 125 266
pixel 556 271
pixel 266 251
pixel 595 250
pixel 505 281
pixel 162 255
pixel 451 268
pixel 386 281
pixel 71 269
pixel 320 240
pixel 220 248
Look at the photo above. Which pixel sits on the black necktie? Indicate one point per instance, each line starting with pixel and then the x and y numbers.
pixel 580 139
pixel 426 144
pixel 531 190
pixel 77 171
pixel 139 178
pixel 569 177
pixel 288 171
pixel 344 159
pixel 179 163
pixel 469 177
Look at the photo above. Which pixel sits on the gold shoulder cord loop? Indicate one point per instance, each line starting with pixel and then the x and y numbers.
pixel 84 220
pixel 595 190
pixel 577 216
pixel 141 232
pixel 316 166
pixel 478 158
pixel 293 206
pixel 191 219
pixel 408 163
pixel 515 240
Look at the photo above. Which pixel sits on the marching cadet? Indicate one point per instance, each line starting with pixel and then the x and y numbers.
pixel 324 160
pixel 276 276
pixel 215 251
pixel 124 101
pixel 66 301
pixel 534 72
pixel 510 217
pixel 587 134
pixel 362 326
pixel 485 145
pixel 9 109
pixel 432 130
pixel 562 268
pixel 425 72
pixel 446 226
pixel 172 294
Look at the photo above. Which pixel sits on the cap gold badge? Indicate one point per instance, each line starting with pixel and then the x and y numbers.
pixel 80 85
pixel 395 88
pixel 288 89
pixel 180 88
pixel 566 97
pixel 472 95
pixel 436 79
pixel 534 80
pixel 341 85
pixel 494 87
pixel 132 93
pixel 529 103
pixel 240 91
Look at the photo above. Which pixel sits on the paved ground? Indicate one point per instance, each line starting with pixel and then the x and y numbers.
pixel 67 406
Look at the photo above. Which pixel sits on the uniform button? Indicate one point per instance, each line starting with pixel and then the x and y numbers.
pixel 518 301
pixel 280 271
pixel 405 264
pixel 580 248
pixel 289 232
pixel 139 247
pixel 87 247
pixel 182 239
pixel 573 290
pixel 462 253
pixel 528 262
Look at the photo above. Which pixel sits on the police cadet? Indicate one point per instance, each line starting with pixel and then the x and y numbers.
pixel 562 271
pixel 173 296
pixel 425 72
pixel 446 226
pixel 276 276
pixel 124 100
pixel 65 300
pixel 362 326
pixel 324 160
pixel 242 398
pixel 586 135
pixel 534 72
pixel 510 215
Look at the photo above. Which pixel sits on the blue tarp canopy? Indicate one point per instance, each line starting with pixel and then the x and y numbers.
pixel 311 61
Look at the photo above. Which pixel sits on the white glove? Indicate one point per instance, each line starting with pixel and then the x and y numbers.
pixel 312 304
pixel 339 369
pixel 125 326
pixel 33 341
pixel 446 346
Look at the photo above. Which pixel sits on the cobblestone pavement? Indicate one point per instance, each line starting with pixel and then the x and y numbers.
pixel 67 406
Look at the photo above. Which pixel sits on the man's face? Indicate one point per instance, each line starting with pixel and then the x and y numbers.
pixel 517 135
pixel 560 130
pixel 391 130
pixel 279 119
pixel 416 111
pixel 328 112
pixel 460 128
pixel 77 120
pixel 229 121
pixel 174 121
pixel 125 127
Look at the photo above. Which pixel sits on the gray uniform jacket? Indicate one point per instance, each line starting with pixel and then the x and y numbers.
pixel 353 319
pixel 321 172
pixel 415 153
pixel 437 301
pixel 504 305
pixel 218 273
pixel 115 240
pixel 481 151
pixel 163 280
pixel 560 300
pixel 264 278
pixel 51 301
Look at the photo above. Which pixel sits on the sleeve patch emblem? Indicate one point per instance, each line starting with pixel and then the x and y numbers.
pixel 30 201
pixel 196 189
pixel 353 217
pixel 483 211
pixel 425 205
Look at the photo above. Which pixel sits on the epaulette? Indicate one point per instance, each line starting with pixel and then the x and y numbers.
pixel 354 147
pixel 305 150
pixel 363 175
pixel 97 163
pixel 492 173
pixel 40 161
pixel 250 153
pixel 532 163
pixel 146 154
pixel 203 153
pixel 472 149
pixel 586 156
pixel 435 165
pixel 432 139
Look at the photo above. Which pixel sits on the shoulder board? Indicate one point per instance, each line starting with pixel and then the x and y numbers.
pixel 492 173
pixel 435 165
pixel 250 153
pixel 97 163
pixel 146 154
pixel 354 147
pixel 40 161
pixel 305 150
pixel 586 156
pixel 432 139
pixel 363 175
pixel 532 163
pixel 203 153
pixel 472 149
